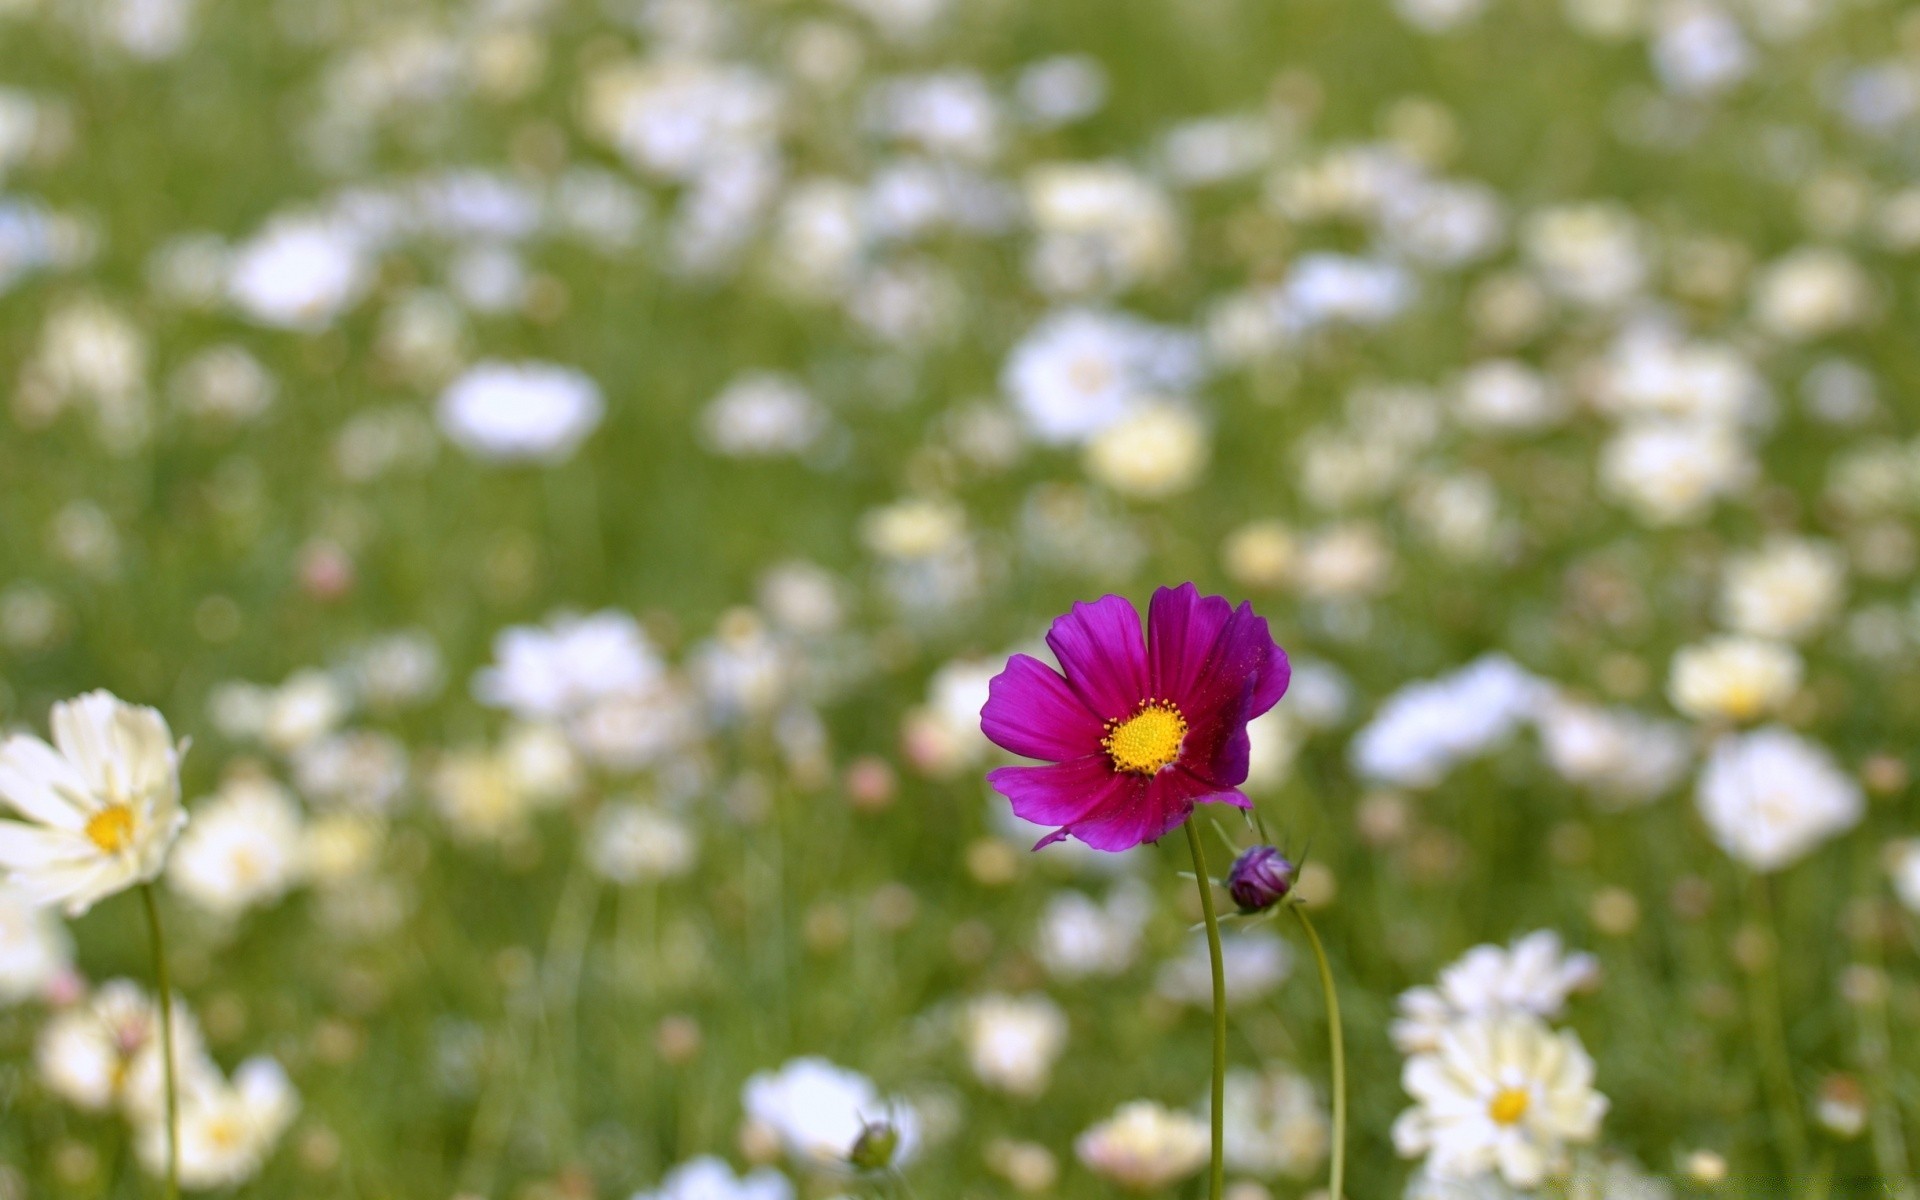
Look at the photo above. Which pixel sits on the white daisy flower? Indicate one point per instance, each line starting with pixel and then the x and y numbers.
pixel 1534 975
pixel 227 1129
pixel 1770 796
pixel 1502 1094
pixel 102 804
pixel 818 1110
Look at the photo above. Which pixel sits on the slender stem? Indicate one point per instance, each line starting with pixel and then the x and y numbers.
pixel 1217 1178
pixel 1770 1030
pixel 1875 1052
pixel 165 987
pixel 1339 1052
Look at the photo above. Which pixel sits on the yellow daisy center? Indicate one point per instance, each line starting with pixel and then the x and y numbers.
pixel 111 828
pixel 1509 1105
pixel 1148 741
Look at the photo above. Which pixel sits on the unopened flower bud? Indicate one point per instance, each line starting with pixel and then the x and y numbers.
pixel 1260 879
pixel 874 1149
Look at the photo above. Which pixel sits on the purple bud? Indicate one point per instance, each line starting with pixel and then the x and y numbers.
pixel 1260 879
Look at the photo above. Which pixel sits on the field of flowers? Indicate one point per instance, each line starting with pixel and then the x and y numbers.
pixel 511 511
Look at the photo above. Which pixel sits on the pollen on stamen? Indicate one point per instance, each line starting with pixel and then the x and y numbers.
pixel 111 828
pixel 1149 741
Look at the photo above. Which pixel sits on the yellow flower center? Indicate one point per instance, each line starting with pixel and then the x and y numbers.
pixel 225 1132
pixel 1149 740
pixel 111 828
pixel 1509 1105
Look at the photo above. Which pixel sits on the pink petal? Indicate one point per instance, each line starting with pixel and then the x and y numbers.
pixel 1182 629
pixel 1031 711
pixel 1062 793
pixel 1100 648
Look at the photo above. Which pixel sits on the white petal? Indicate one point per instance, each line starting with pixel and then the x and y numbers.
pixel 40 784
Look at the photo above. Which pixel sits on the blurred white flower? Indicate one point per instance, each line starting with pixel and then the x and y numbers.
pixel 1144 1147
pixel 1276 1125
pixel 1789 588
pixel 245 848
pixel 1732 677
pixel 358 768
pixel 639 843
pixel 1079 937
pixel 763 414
pixel 1534 975
pixel 1102 226
pixel 950 112
pixel 1256 963
pixel 560 669
pixel 1501 395
pixel 1699 50
pixel 1438 16
pixel 1013 1041
pixel 35 948
pixel 1057 91
pixel 1810 293
pixel 1323 288
pixel 1670 472
pixel 1502 1094
pixel 709 1178
pixel 1158 451
pixel 520 412
pixel 102 804
pixel 1626 758
pixel 942 736
pixel 1424 729
pixel 1769 797
pixel 299 273
pixel 225 385
pixel 818 1111
pixel 104 1052
pixel 1650 372
pixel 1903 864
pixel 1080 371
pixel 227 1129
pixel 679 118
pixel 1591 254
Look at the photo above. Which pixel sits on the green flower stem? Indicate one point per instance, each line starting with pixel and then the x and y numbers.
pixel 1339 1053
pixel 1217 1177
pixel 1770 1031
pixel 165 987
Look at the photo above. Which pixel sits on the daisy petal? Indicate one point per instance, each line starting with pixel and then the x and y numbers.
pixel 40 784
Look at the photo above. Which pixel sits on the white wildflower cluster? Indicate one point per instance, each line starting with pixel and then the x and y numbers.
pixel 1498 1093
pixel 100 812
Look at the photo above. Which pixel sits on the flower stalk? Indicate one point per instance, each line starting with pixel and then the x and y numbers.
pixel 1338 1050
pixel 1217 1172
pixel 165 987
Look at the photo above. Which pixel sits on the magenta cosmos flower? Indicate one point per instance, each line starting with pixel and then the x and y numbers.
pixel 1139 731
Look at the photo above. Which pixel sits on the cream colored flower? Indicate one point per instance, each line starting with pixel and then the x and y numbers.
pixel 1013 1041
pixel 1159 451
pixel 245 848
pixel 1733 678
pixel 1787 589
pixel 227 1129
pixel 102 804
pixel 1144 1146
pixel 1502 1094
pixel 105 1052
